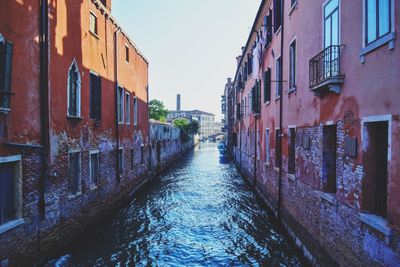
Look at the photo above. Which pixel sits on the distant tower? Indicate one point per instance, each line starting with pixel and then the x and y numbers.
pixel 178 102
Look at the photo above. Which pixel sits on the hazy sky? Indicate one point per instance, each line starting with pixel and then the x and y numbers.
pixel 191 45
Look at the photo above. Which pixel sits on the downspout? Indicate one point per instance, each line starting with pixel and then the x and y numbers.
pixel 44 104
pixel 280 115
pixel 116 98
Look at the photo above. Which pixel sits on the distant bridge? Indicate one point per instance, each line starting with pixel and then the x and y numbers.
pixel 214 136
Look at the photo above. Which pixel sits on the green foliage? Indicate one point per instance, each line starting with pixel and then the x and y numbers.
pixel 157 110
pixel 187 127
pixel 194 127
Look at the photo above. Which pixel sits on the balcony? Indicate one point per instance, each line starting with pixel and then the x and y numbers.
pixel 325 75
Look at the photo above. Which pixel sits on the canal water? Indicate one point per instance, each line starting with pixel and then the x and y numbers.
pixel 200 212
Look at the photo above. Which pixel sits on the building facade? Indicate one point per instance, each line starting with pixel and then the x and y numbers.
pixel 74 127
pixel 315 125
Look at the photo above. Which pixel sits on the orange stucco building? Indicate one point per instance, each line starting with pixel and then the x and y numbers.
pixel 74 127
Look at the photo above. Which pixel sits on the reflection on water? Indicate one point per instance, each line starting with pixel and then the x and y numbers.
pixel 200 212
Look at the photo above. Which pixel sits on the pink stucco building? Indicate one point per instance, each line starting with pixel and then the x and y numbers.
pixel 315 125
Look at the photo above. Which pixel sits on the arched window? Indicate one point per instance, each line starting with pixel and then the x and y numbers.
pixel 74 91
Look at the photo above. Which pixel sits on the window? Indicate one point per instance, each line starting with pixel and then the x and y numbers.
pixel 267 149
pixel 292 151
pixel 127 108
pixel 377 19
pixel 132 158
pixel 331 23
pixel 375 157
pixel 93 23
pixel 121 160
pixel 142 154
pixel 94 166
pixel 268 28
pixel 95 96
pixel 267 86
pixel 6 55
pixel 277 14
pixel 10 189
pixel 74 173
pixel 120 104
pixel 277 147
pixel 74 91
pixel 135 111
pixel 292 66
pixel 329 159
pixel 278 77
pixel 126 53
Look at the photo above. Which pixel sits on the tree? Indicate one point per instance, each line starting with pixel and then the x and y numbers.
pixel 194 127
pixel 182 124
pixel 157 110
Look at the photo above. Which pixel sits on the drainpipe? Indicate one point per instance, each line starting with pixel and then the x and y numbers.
pixel 280 115
pixel 116 98
pixel 44 103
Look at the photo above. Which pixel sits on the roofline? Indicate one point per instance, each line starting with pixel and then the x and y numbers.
pixel 259 12
pixel 104 9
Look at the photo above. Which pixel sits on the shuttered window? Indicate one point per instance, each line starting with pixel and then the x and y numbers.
pixel 94 168
pixel 267 85
pixel 292 67
pixel 74 91
pixel 6 55
pixel 278 77
pixel 277 14
pixel 268 27
pixel 95 96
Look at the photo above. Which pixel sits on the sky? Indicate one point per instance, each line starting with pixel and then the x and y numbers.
pixel 191 45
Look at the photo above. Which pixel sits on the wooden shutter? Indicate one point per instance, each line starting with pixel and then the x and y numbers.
pixel 2 64
pixel 95 96
pixel 267 85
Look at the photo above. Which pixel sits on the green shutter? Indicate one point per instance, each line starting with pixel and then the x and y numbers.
pixel 8 66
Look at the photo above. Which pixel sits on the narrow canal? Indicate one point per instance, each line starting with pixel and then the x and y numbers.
pixel 198 213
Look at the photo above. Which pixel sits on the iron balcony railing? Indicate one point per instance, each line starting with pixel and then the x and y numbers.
pixel 325 66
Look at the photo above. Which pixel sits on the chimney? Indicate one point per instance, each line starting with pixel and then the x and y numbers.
pixel 178 102
pixel 238 58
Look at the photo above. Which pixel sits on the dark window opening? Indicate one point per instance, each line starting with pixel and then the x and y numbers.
pixel 142 155
pixel 95 96
pixel 120 104
pixel 94 168
pixel 329 159
pixel 277 14
pixel 278 78
pixel 278 155
pixel 74 173
pixel 6 55
pixel 73 90
pixel 375 159
pixel 267 85
pixel 121 160
pixel 292 67
pixel 292 151
pixel 8 192
pixel 127 53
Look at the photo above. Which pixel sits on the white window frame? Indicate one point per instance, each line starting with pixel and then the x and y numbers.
pixel 294 40
pixel 121 98
pixel 78 90
pixel 386 39
pixel 127 108
pixel 17 160
pixel 79 192
pixel 96 24
pixel 135 111
pixel 96 152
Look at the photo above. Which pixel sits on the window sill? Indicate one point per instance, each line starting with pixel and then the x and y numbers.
pixel 276 169
pixel 292 90
pixel 4 110
pixel 267 163
pixel 74 117
pixel 267 103
pixel 329 197
pixel 278 98
pixel 278 31
pixel 291 176
pixel 70 197
pixel 294 6
pixel 11 225
pixel 389 38
pixel 376 222
pixel 94 35
pixel 93 187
